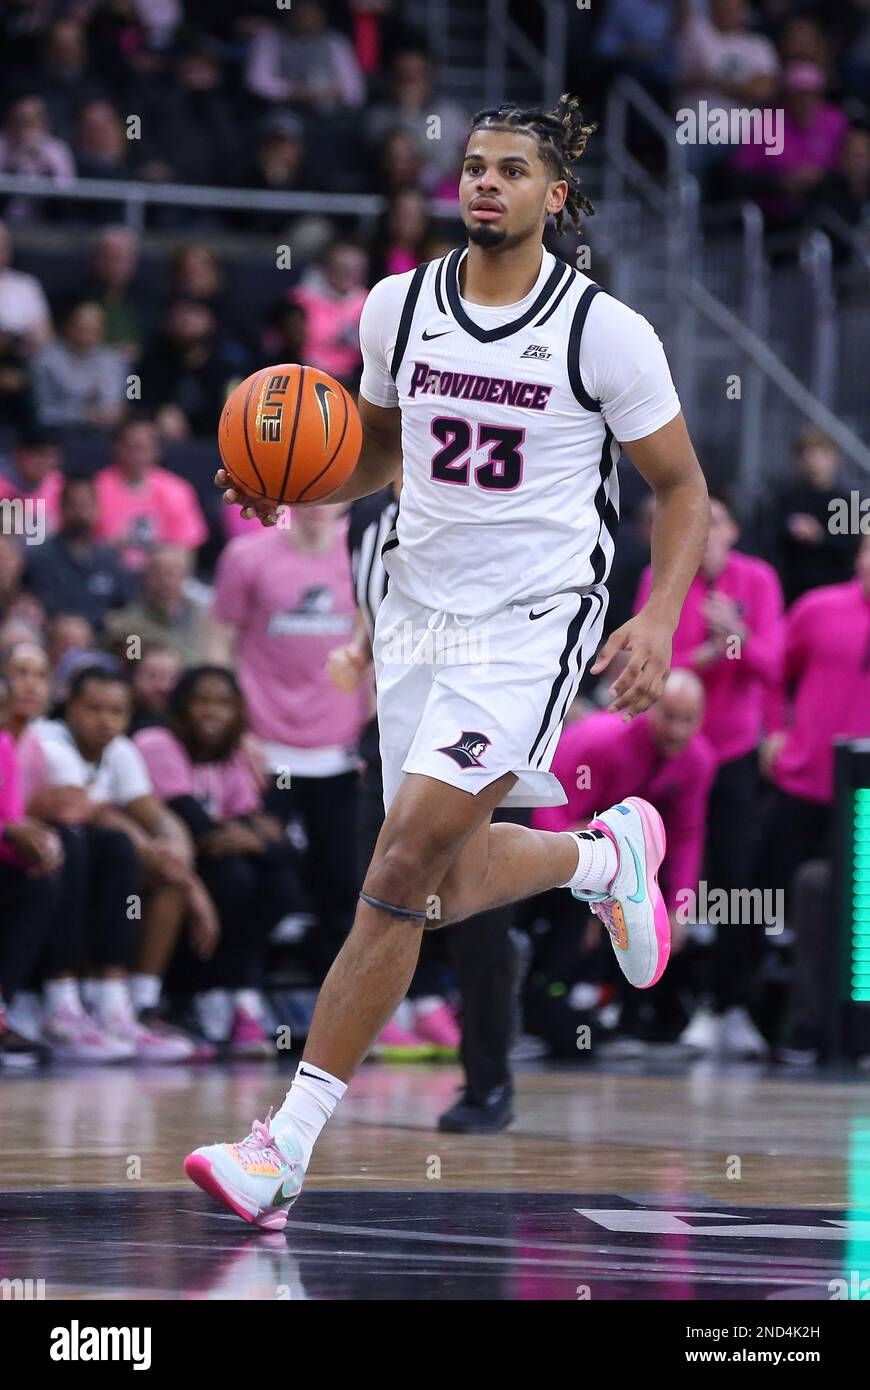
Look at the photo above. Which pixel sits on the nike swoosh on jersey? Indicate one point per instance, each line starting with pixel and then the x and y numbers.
pixel 427 337
pixel 533 616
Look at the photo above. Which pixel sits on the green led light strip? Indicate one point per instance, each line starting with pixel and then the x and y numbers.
pixel 859 895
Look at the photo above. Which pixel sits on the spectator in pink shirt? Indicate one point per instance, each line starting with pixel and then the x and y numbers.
pixel 140 504
pixel 287 599
pixel 198 768
pixel 827 680
pixel 333 297
pixel 31 856
pixel 813 132
pixel 35 474
pixel 731 633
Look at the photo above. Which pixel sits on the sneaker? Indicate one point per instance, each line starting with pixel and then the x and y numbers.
pixel 396 1044
pixel 255 1178
pixel 703 1032
pixel 487 1115
pixel 151 1042
pixel 740 1037
pixel 74 1036
pixel 17 1052
pixel 249 1039
pixel 438 1026
pixel 633 909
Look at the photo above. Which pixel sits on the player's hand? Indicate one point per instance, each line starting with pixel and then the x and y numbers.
pixel 251 507
pixel 346 666
pixel 769 751
pixel 36 843
pixel 648 641
pixel 231 838
pixel 205 927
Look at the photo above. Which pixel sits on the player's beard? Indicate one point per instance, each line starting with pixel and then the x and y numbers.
pixel 483 234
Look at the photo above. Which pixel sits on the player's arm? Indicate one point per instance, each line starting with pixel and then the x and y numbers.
pixel 667 460
pixel 379 463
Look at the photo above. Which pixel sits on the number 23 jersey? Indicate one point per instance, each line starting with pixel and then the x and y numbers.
pixel 512 417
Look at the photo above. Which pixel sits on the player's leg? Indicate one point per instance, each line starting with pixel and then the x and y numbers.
pixel 614 867
pixel 425 828
pixel 426 825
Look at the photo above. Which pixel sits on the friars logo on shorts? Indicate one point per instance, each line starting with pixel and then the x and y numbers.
pixel 468 749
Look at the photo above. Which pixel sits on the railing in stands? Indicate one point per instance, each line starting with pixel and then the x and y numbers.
pixel 673 200
pixel 136 198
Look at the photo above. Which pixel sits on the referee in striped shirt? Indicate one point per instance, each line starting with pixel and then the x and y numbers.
pixel 481 949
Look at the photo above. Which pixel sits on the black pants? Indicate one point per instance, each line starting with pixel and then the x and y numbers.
pixel 327 808
pixel 813 986
pixel 793 830
pixel 732 847
pixel 480 949
pixel 100 925
pixel 28 907
pixel 251 893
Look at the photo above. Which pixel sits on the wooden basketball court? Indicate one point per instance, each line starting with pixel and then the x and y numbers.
pixel 625 1181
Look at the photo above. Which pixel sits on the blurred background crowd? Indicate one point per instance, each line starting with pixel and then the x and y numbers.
pixel 185 699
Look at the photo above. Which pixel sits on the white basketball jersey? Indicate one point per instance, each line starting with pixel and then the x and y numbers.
pixel 510 423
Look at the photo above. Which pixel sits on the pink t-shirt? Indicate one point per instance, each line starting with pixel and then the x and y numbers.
pixel 162 510
pixel 224 789
pixel 814 146
pixel 735 686
pixel 618 760
pixel 332 331
pixel 827 660
pixel 11 803
pixel 32 766
pixel 49 492
pixel 290 610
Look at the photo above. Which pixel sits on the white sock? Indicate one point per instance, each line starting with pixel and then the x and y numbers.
pixel 88 993
pixel 112 997
pixel 62 994
pixel 597 861
pixel 145 991
pixel 308 1104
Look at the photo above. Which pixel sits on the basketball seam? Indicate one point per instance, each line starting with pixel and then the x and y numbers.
pixel 253 384
pixel 283 489
pixel 327 466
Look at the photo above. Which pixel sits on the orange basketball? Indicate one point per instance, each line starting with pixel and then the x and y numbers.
pixel 289 434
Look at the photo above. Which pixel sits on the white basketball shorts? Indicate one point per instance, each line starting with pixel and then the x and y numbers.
pixel 466 700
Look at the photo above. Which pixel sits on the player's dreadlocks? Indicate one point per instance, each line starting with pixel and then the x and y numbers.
pixel 561 137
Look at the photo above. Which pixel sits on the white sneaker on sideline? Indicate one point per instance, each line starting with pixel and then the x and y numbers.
pixel 703 1032
pixel 153 1042
pixel 74 1036
pixel 740 1037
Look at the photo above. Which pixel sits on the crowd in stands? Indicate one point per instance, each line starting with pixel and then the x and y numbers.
pixel 178 768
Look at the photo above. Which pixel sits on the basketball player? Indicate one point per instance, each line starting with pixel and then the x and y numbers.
pixel 503 382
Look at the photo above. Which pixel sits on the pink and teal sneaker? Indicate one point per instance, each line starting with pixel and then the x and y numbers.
pixel 256 1178
pixel 633 909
